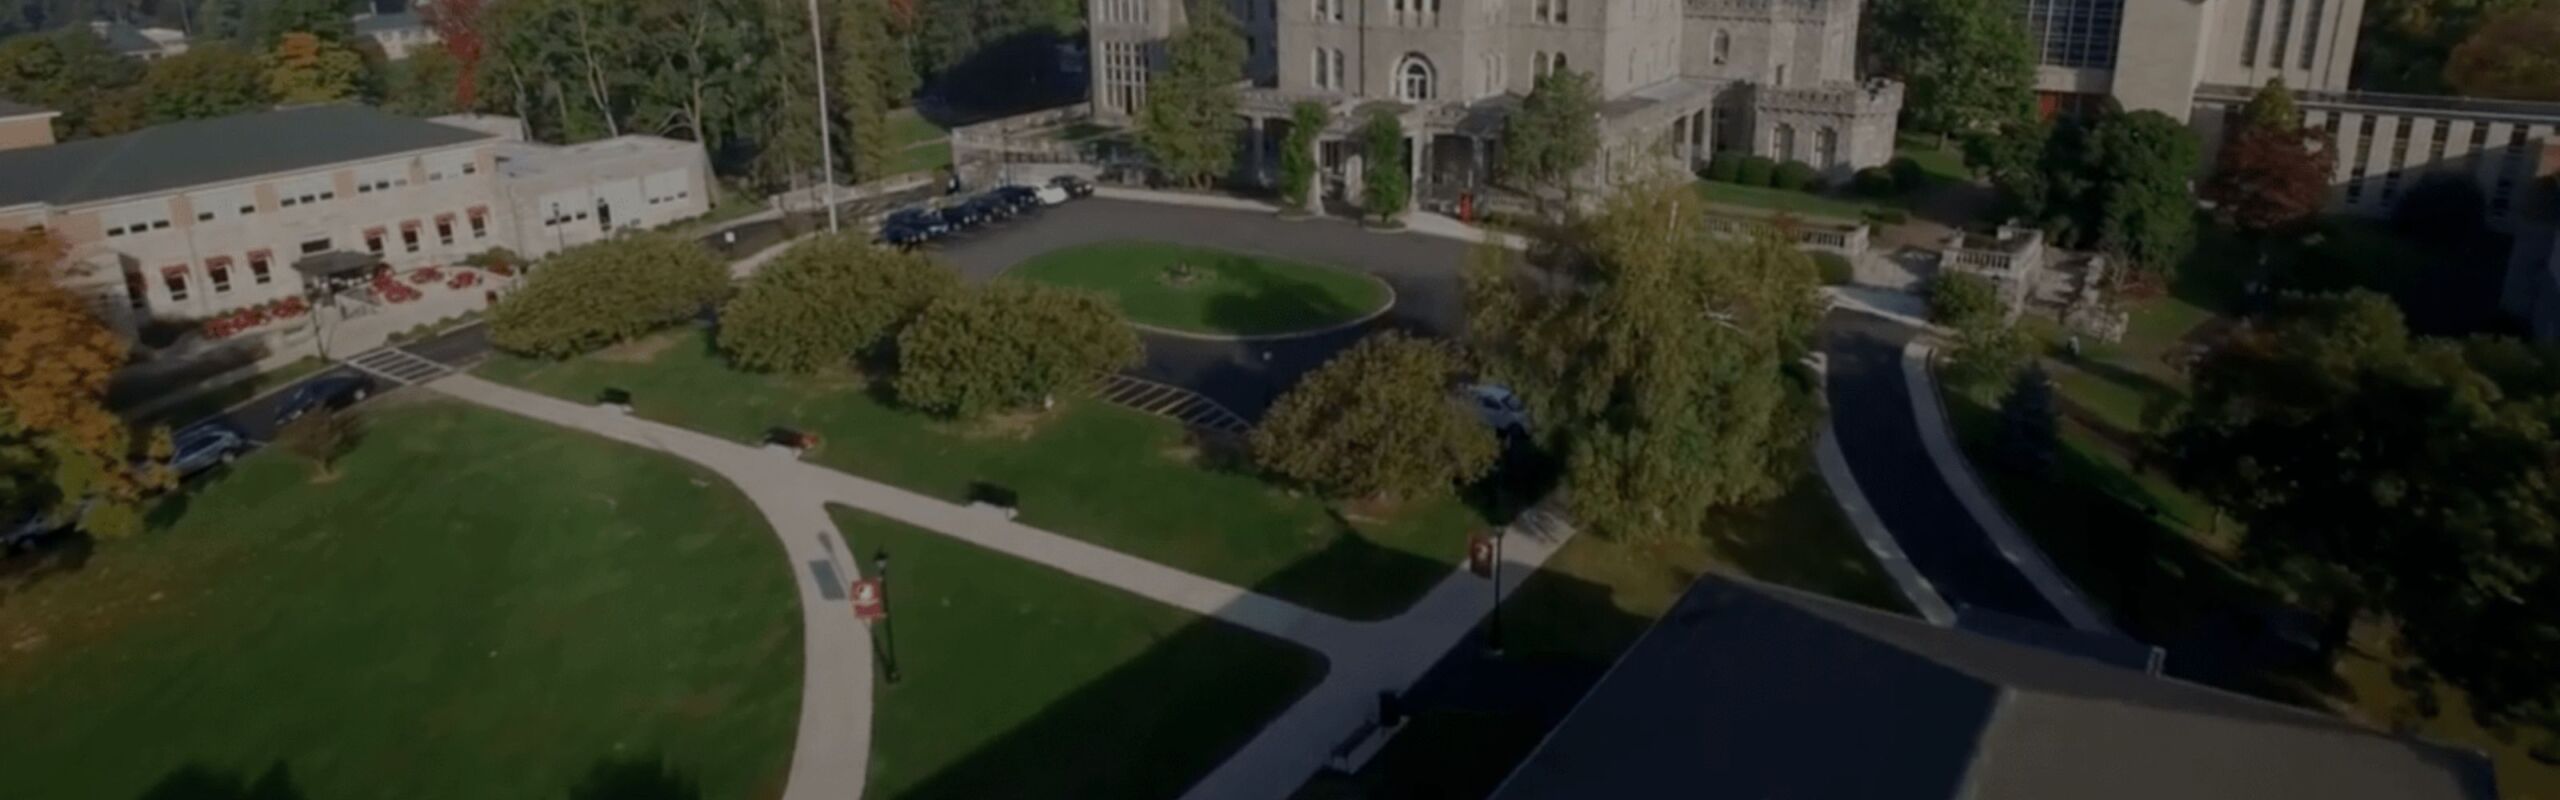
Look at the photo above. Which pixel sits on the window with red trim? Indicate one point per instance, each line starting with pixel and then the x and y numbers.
pixel 259 263
pixel 479 222
pixel 373 240
pixel 175 278
pixel 444 229
pixel 217 271
pixel 409 236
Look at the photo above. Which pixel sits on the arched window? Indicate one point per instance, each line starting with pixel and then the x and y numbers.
pixel 1826 148
pixel 1786 142
pixel 1415 81
pixel 1723 47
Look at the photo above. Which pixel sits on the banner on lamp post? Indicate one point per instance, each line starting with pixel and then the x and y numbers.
pixel 1481 551
pixel 868 605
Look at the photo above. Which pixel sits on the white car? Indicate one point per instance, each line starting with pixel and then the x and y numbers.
pixel 1050 195
pixel 1497 407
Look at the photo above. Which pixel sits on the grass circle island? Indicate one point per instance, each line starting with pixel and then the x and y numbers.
pixel 1211 292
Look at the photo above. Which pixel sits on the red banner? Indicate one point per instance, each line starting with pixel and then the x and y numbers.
pixel 868 604
pixel 1481 551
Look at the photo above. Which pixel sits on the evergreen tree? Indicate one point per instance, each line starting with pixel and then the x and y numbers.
pixel 1386 182
pixel 1189 123
pixel 1297 153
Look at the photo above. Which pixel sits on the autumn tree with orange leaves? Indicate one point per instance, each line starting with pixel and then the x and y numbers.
pixel 457 24
pixel 61 451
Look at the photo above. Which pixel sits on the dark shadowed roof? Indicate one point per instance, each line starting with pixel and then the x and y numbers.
pixel 1751 691
pixel 198 152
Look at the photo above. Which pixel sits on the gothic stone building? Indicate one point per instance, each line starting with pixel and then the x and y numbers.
pixel 1678 79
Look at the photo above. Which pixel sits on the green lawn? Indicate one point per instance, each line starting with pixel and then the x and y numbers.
pixel 908 128
pixel 1221 292
pixel 1588 604
pixel 1017 680
pixel 928 155
pixel 1808 204
pixel 479 606
pixel 1942 162
pixel 1131 482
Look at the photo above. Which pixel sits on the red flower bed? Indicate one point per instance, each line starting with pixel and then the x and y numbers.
pixel 462 279
pixel 426 276
pixel 391 290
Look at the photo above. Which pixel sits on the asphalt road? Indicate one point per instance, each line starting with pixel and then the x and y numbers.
pixel 1871 412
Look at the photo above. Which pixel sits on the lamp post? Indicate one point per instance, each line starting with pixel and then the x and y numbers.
pixel 827 149
pixel 1493 621
pixel 888 623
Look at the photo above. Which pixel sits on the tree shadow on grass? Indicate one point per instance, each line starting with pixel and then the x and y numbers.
pixel 639 777
pixel 1257 298
pixel 199 782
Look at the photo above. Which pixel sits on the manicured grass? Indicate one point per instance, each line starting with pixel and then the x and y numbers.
pixel 1018 680
pixel 928 155
pixel 479 606
pixel 1222 293
pixel 1809 204
pixel 1114 477
pixel 908 128
pixel 1942 162
pixel 1588 604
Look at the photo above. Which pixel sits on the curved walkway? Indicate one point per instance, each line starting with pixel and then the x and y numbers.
pixel 832 755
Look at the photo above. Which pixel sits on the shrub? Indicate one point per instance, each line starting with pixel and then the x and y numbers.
pixel 1725 167
pixel 1907 174
pixel 1755 171
pixel 1958 299
pixel 1794 176
pixel 1987 353
pixel 1376 422
pixel 594 295
pixel 1006 345
pixel 825 300
pixel 1874 182
pixel 1834 268
pixel 321 437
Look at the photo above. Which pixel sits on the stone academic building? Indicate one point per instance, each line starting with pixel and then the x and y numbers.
pixel 1678 80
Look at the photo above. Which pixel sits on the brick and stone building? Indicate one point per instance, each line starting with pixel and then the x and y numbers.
pixel 1678 79
pixel 188 220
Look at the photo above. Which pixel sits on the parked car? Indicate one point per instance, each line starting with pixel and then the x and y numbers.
pixel 205 444
pixel 897 235
pixel 1050 195
pixel 1073 186
pixel 986 209
pixel 1023 199
pixel 920 220
pixel 961 216
pixel 331 391
pixel 1497 407
pixel 36 528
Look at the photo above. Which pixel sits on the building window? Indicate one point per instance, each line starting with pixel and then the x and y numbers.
pixel 2503 194
pixel 1415 79
pixel 204 216
pixel 409 236
pixel 176 279
pixel 373 240
pixel 1826 148
pixel 137 290
pixel 2364 149
pixel 2284 34
pixel 444 229
pixel 1786 142
pixel 1782 75
pixel 217 270
pixel 2249 35
pixel 2399 159
pixel 259 272
pixel 1723 50
pixel 2311 33
pixel 2436 143
pixel 479 222
pixel 315 246
pixel 2074 33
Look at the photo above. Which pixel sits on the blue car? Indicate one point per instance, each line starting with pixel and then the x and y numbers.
pixel 204 445
pixel 333 392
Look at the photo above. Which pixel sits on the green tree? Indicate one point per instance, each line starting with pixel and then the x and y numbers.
pixel 2377 473
pixel 328 20
pixel 211 79
pixel 1966 65
pixel 307 69
pixel 1656 357
pixel 2404 44
pixel 1386 184
pixel 422 84
pixel 594 295
pixel 865 62
pixel 2139 163
pixel 62 451
pixel 1297 153
pixel 1008 345
pixel 1189 122
pixel 1959 299
pixel 2272 174
pixel 321 437
pixel 1376 422
pixel 1553 135
pixel 826 300
pixel 2029 423
pixel 69 71
pixel 2510 56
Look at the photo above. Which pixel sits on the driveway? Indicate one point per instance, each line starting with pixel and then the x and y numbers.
pixel 1243 376
pixel 1871 411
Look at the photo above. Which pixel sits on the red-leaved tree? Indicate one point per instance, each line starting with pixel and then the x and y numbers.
pixel 457 22
pixel 2272 173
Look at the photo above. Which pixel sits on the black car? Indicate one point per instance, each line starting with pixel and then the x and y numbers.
pixel 917 220
pixel 331 391
pixel 898 235
pixel 993 206
pixel 1023 199
pixel 1075 186
pixel 962 216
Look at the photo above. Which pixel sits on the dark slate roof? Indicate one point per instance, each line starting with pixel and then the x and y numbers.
pixel 199 152
pixel 11 109
pixel 1751 691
